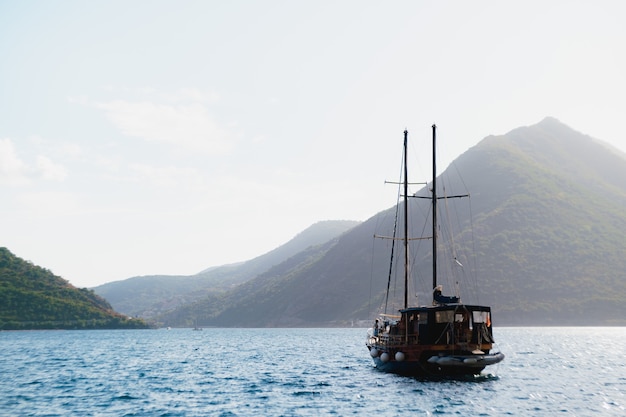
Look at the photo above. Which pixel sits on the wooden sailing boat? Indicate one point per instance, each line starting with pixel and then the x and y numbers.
pixel 444 338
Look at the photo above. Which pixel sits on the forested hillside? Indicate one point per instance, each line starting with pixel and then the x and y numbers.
pixel 32 297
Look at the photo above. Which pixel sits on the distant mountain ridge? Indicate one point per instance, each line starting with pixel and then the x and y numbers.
pixel 149 296
pixel 547 226
pixel 34 298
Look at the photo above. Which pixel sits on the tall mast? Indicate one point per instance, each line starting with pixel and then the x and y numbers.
pixel 406 225
pixel 434 211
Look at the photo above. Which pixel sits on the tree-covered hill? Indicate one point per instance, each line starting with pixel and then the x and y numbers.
pixel 32 297
pixel 550 226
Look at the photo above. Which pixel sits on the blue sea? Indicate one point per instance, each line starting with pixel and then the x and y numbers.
pixel 299 372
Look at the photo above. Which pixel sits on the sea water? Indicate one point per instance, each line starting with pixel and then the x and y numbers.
pixel 299 372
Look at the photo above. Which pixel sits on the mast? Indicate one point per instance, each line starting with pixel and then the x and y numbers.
pixel 406 225
pixel 434 211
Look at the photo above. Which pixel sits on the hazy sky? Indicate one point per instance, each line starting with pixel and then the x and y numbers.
pixel 164 137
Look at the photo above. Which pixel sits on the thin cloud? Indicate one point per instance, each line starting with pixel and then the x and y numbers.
pixel 186 125
pixel 168 176
pixel 16 172
pixel 50 170
pixel 12 168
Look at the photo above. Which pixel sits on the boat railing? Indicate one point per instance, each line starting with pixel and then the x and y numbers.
pixel 386 340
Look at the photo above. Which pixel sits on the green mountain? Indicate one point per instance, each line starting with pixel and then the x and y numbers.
pixel 149 296
pixel 547 226
pixel 34 298
pixel 551 224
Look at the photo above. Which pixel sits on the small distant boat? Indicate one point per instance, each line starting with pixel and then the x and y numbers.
pixel 445 338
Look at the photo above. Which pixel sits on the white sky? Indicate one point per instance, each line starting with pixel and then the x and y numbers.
pixel 164 137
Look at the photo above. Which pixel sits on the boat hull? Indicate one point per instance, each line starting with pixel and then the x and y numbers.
pixel 438 365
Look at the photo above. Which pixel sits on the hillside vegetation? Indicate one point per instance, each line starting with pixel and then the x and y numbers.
pixel 34 298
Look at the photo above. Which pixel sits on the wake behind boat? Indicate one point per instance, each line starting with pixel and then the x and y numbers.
pixel 444 338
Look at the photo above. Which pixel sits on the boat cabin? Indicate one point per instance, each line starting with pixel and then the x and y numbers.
pixel 445 325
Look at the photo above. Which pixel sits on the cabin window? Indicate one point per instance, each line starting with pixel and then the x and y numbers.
pixel 445 316
pixel 481 317
pixel 458 318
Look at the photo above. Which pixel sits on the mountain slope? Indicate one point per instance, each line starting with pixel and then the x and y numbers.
pixel 34 298
pixel 547 230
pixel 553 233
pixel 149 296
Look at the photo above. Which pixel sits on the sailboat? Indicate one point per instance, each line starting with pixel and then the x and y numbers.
pixel 445 338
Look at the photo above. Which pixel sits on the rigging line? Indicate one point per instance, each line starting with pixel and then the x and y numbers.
pixel 449 221
pixel 400 238
pixel 439 198
pixel 393 244
pixel 469 273
pixel 472 273
pixel 369 303
pixel 452 245
pixel 458 173
pixel 409 183
pixel 460 177
pixel 446 227
pixel 417 279
pixel 475 266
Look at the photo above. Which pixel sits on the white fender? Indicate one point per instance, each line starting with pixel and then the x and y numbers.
pixel 399 356
pixel 384 357
pixel 446 360
pixel 374 352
